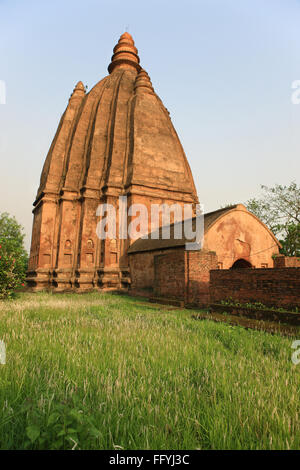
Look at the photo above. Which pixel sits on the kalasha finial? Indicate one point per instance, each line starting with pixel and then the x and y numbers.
pixel 125 53
pixel 143 82
pixel 79 90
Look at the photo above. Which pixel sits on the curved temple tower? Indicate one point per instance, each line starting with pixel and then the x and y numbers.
pixel 117 140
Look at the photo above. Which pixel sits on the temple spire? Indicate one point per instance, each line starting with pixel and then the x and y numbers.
pixel 143 82
pixel 125 53
pixel 79 90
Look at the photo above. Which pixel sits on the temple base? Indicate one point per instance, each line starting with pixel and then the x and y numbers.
pixel 83 280
pixel 38 280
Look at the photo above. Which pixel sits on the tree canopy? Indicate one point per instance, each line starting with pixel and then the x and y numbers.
pixel 13 256
pixel 279 208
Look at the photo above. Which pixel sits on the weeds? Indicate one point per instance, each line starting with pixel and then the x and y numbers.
pixel 102 371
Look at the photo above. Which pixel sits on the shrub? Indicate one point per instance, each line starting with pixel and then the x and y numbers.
pixel 13 257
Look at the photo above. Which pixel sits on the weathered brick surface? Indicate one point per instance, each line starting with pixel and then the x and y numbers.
pixel 175 274
pixel 272 287
pixel 238 234
pixel 169 275
pixel 198 266
pixel 118 139
pixel 282 261
pixel 142 270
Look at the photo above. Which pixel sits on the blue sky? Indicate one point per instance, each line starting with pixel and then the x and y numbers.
pixel 223 68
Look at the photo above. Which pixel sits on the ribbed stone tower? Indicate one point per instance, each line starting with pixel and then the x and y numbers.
pixel 116 140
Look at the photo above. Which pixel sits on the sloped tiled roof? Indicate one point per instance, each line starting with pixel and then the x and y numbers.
pixel 150 244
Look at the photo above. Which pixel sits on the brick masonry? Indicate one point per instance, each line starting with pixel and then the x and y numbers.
pixel 184 275
pixel 281 261
pixel 169 275
pixel 198 266
pixel 142 270
pixel 272 287
pixel 192 277
pixel 116 140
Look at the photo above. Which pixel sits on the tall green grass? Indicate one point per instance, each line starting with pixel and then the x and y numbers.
pixel 101 371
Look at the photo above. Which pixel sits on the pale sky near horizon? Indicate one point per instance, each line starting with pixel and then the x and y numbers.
pixel 223 68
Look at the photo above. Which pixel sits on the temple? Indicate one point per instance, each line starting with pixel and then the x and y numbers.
pixel 117 140
pixel 115 144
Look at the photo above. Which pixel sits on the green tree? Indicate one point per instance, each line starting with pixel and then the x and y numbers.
pixel 279 209
pixel 13 256
pixel 291 242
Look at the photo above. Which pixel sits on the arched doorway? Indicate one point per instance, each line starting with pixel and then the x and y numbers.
pixel 240 264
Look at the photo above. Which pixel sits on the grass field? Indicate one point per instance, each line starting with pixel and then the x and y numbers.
pixel 101 371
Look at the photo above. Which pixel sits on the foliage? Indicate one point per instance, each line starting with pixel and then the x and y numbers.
pixel 64 427
pixel 256 305
pixel 291 242
pixel 13 257
pixel 279 209
pixel 101 371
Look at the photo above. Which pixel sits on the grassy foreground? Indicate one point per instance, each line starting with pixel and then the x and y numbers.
pixel 101 371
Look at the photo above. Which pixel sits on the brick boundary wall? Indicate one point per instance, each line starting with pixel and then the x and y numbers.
pixel 197 270
pixel 142 271
pixel 281 261
pixel 184 275
pixel 274 287
pixel 169 275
